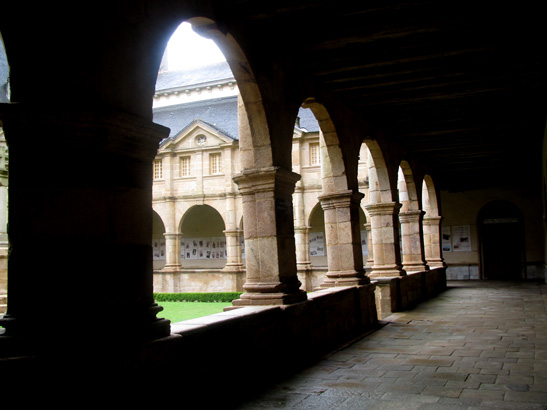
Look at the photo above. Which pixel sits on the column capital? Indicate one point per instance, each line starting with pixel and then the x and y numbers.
pixel 340 199
pixel 256 180
pixel 432 220
pixel 383 208
pixel 410 216
pixel 172 235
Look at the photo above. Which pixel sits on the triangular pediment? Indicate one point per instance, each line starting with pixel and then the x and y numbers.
pixel 198 134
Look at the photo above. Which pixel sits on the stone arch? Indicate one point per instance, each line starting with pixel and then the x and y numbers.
pixel 200 246
pixel 380 186
pixel 158 241
pixel 383 209
pixel 410 220
pixel 431 224
pixel 333 170
pixel 318 246
pixel 430 203
pixel 407 192
pixel 254 140
pixel 501 241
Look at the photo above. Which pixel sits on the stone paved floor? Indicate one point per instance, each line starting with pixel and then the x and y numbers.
pixel 478 345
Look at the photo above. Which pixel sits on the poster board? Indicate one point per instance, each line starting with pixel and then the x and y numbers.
pixel 203 248
pixel 446 239
pixel 317 244
pixel 461 238
pixel 158 246
pixel 364 245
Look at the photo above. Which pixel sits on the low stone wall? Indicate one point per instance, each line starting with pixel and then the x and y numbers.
pixel 395 294
pixel 199 280
pixel 236 352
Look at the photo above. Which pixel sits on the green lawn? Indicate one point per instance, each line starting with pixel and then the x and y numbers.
pixel 179 311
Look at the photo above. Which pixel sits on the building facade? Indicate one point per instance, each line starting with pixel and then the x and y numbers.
pixel 198 215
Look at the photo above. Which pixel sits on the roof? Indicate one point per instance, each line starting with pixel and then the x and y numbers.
pixel 221 113
pixel 190 77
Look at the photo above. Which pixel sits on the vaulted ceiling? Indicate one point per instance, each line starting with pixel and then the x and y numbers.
pixel 458 85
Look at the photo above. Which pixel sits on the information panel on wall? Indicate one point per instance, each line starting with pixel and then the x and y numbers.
pixel 456 238
pixel 317 244
pixel 203 248
pixel 364 245
pixel 461 238
pixel 446 239
pixel 158 246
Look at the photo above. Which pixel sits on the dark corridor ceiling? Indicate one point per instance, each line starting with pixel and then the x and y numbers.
pixel 458 85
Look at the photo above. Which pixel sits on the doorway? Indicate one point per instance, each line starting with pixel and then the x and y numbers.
pixel 501 239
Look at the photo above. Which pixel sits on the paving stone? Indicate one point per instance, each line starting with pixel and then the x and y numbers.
pixel 479 345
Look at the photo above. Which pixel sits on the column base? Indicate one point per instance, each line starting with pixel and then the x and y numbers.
pixel 386 272
pixel 171 268
pixel 233 268
pixel 413 268
pixel 265 299
pixel 436 264
pixel 345 278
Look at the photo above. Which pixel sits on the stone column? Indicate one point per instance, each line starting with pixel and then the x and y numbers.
pixel 302 239
pixel 385 239
pixel 269 237
pixel 172 252
pixel 81 210
pixel 233 237
pixel 172 237
pixel 370 259
pixel 432 242
pixel 233 251
pixel 343 239
pixel 3 222
pixel 412 240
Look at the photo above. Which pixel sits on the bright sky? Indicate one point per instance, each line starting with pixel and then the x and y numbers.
pixel 188 49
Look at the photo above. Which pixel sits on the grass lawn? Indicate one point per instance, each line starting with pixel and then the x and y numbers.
pixel 179 311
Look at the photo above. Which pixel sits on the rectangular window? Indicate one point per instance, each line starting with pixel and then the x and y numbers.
pixel 184 166
pixel 215 163
pixel 158 169
pixel 315 157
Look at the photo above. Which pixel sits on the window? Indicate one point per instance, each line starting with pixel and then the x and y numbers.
pixel 215 164
pixel 315 157
pixel 184 166
pixel 158 169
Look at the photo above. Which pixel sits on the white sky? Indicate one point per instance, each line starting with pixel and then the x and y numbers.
pixel 188 49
